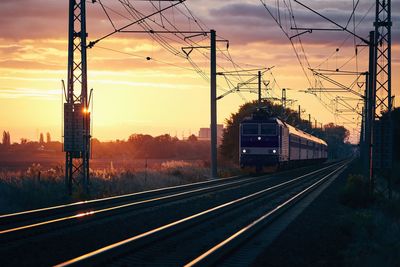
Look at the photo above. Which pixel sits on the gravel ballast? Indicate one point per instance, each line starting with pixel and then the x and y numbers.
pixel 315 237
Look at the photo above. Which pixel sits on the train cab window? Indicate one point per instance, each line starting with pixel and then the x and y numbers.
pixel 249 129
pixel 268 129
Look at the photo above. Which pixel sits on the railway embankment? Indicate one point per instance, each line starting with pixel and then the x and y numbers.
pixel 342 227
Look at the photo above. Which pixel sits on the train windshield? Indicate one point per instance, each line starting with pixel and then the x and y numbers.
pixel 249 129
pixel 268 129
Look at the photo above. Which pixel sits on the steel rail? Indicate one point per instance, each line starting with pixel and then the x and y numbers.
pixel 57 214
pixel 223 248
pixel 81 205
pixel 138 204
pixel 105 252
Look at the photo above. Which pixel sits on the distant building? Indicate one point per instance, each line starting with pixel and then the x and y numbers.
pixel 205 133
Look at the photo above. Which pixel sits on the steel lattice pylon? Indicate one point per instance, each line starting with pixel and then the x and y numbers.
pixel 383 24
pixel 76 112
pixel 380 98
pixel 382 129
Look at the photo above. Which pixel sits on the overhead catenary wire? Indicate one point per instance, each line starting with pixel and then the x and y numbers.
pixel 293 23
pixel 166 24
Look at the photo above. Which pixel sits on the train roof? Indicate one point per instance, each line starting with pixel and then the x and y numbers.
pixel 258 120
pixel 300 133
pixel 292 130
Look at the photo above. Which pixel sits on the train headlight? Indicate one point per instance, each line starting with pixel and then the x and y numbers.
pixel 274 151
pixel 244 151
pixel 259 138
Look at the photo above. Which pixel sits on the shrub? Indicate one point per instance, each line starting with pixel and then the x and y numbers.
pixel 356 192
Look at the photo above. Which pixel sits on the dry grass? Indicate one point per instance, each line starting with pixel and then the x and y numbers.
pixel 39 187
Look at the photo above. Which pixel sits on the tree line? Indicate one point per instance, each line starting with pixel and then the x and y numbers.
pixel 147 146
pixel 6 140
pixel 137 146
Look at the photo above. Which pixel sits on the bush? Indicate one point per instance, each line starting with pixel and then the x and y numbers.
pixel 356 192
pixel 375 240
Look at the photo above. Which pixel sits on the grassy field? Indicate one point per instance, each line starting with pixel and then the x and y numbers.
pixel 41 186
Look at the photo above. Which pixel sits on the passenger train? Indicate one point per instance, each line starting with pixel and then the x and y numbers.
pixel 270 142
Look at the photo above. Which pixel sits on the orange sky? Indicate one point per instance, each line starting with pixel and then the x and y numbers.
pixel 133 95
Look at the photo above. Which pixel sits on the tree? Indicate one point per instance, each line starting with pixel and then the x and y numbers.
pixel 192 138
pixel 336 137
pixel 396 131
pixel 139 138
pixel 41 138
pixel 396 134
pixel 48 137
pixel 6 138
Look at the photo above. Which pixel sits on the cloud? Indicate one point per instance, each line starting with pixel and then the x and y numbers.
pixel 240 21
pixel 246 23
pixel 29 92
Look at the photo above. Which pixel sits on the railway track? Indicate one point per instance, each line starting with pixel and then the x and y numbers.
pixel 91 232
pixel 172 244
pixel 51 216
pixel 235 248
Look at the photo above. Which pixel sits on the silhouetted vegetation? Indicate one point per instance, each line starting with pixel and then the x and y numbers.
pixel 132 154
pixel 396 145
pixel 38 186
pixel 41 139
pixel 336 136
pixel 6 141
pixel 141 146
pixel 138 146
pixel 356 191
pixel 372 223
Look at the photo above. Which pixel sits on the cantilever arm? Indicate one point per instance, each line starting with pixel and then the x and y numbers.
pixel 92 43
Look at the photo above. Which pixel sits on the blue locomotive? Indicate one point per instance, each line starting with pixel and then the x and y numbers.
pixel 270 142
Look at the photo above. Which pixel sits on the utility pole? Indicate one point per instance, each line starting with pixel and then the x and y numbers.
pixel 259 89
pixel 76 109
pixel 371 109
pixel 213 96
pixel 309 120
pixel 213 87
pixel 299 114
pixel 284 98
pixel 366 125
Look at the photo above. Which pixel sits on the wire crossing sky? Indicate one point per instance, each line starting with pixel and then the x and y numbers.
pixel 144 82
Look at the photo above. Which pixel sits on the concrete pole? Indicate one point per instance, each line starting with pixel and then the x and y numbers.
pixel 371 110
pixel 299 114
pixel 259 89
pixel 213 87
pixel 84 101
pixel 365 133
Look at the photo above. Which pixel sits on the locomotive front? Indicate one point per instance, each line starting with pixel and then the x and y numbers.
pixel 259 143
